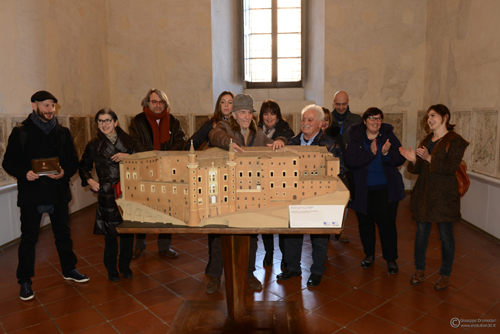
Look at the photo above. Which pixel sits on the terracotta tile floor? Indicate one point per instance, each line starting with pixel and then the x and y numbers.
pixel 348 300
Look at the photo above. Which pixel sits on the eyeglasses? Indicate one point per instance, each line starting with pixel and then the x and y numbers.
pixel 375 119
pixel 104 121
pixel 154 102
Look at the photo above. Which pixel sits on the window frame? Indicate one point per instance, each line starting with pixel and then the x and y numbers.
pixel 274 37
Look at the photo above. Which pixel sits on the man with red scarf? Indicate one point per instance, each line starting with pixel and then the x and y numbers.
pixel 157 130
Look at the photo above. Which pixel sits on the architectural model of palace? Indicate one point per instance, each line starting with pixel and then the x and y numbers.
pixel 218 187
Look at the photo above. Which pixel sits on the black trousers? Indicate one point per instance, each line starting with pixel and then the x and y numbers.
pixel 382 213
pixel 111 251
pixel 164 241
pixel 268 241
pixel 30 229
pixel 293 252
pixel 217 265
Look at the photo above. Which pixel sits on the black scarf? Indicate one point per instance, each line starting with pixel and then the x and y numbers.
pixel 46 127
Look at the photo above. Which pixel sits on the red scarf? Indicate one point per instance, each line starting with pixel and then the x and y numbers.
pixel 161 133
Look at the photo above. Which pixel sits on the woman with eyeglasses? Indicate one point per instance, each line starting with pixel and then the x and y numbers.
pixel 435 197
pixel 373 155
pixel 106 150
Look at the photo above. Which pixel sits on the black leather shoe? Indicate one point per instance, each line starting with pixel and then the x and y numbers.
pixel 113 276
pixel 392 267
pixel 287 274
pixel 268 259
pixel 137 253
pixel 169 252
pixel 314 280
pixel 368 261
pixel 127 273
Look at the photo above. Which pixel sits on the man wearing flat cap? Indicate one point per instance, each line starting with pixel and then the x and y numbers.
pixel 242 131
pixel 41 137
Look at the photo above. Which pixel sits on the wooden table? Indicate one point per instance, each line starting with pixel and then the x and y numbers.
pixel 235 247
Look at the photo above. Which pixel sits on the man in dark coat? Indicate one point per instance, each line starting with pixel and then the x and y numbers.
pixel 156 129
pixel 41 137
pixel 311 134
pixel 342 120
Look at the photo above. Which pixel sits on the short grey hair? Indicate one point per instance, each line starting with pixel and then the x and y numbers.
pixel 320 114
pixel 160 94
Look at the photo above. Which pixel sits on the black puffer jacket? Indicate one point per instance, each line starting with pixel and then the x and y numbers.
pixel 99 152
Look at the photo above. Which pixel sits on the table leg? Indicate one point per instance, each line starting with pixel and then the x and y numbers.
pixel 235 254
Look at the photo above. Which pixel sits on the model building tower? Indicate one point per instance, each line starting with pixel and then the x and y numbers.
pixel 187 187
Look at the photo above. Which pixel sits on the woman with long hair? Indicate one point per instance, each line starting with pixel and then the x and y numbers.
pixel 435 197
pixel 106 150
pixel 372 155
pixel 222 111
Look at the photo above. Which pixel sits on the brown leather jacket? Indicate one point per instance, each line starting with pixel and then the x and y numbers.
pixel 140 130
pixel 224 131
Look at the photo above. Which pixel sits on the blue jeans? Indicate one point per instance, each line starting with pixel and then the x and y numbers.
pixel 447 246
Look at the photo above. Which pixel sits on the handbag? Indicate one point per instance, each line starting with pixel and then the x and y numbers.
pixel 461 174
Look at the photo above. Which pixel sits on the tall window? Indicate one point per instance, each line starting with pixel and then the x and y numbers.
pixel 273 43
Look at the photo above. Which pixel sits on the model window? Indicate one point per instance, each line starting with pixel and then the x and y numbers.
pixel 174 171
pixel 174 190
pixel 272 184
pixel 135 176
pixel 128 175
pixel 150 173
pixel 142 188
pixel 152 189
pixel 163 189
pixel 284 184
pixel 284 173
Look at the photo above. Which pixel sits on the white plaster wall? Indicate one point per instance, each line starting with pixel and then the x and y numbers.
pixel 164 44
pixel 314 78
pixel 227 69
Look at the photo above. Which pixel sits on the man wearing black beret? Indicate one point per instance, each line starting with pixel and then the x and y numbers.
pixel 39 192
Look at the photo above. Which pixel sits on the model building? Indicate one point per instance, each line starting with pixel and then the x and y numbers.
pixel 217 187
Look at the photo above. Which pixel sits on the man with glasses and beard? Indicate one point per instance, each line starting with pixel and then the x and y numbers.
pixel 156 129
pixel 41 137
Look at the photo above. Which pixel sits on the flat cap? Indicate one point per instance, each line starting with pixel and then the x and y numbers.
pixel 42 95
pixel 243 102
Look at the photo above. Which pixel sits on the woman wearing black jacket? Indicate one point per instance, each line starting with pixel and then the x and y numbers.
pixel 274 126
pixel 106 150
pixel 223 108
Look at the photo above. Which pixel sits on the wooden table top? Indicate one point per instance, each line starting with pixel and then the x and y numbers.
pixel 138 227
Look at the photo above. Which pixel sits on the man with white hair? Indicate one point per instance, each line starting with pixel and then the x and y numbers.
pixel 311 134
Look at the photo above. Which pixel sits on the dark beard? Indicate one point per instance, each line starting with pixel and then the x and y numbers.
pixel 42 116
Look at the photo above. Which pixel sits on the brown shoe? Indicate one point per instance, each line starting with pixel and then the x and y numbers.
pixel 442 283
pixel 169 252
pixel 213 284
pixel 417 277
pixel 254 283
pixel 342 237
pixel 137 253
